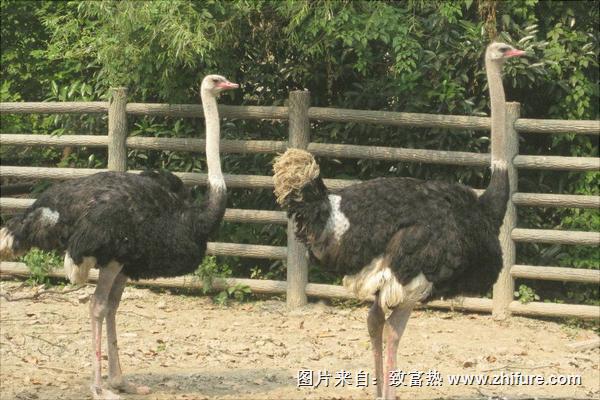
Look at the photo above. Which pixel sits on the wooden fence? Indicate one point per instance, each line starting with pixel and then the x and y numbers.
pixel 299 114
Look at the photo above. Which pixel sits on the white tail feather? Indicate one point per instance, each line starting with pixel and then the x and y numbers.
pixel 6 244
pixel 378 277
pixel 78 273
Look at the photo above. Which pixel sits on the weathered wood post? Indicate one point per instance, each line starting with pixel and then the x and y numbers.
pixel 117 130
pixel 503 292
pixel 297 262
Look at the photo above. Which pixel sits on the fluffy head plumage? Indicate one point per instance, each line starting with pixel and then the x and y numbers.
pixel 292 171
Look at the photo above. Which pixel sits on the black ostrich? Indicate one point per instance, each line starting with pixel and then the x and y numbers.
pixel 404 240
pixel 127 226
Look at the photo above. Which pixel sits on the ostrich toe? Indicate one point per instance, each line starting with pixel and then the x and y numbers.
pixel 130 388
pixel 103 394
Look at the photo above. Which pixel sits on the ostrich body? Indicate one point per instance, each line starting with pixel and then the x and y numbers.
pixel 127 226
pixel 402 240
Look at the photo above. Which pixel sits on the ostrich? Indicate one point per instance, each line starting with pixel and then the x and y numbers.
pixel 402 240
pixel 127 226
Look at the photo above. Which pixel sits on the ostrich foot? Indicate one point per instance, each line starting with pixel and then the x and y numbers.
pixel 129 388
pixel 103 394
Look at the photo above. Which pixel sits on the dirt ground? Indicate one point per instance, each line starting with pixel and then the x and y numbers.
pixel 186 347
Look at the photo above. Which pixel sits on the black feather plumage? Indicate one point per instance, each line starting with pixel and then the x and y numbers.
pixel 442 230
pixel 146 222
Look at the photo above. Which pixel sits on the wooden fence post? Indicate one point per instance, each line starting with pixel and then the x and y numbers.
pixel 503 292
pixel 117 130
pixel 297 262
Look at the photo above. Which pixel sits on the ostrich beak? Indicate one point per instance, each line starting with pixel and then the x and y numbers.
pixel 227 85
pixel 514 53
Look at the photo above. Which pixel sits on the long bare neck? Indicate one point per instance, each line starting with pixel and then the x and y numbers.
pixel 214 208
pixel 213 137
pixel 497 108
pixel 495 196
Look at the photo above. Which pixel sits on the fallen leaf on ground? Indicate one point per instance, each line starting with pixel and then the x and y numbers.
pixel 30 360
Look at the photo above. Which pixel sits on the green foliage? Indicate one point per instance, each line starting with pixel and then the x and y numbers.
pixel 525 294
pixel 209 270
pixel 275 271
pixel 238 292
pixel 132 43
pixel 41 263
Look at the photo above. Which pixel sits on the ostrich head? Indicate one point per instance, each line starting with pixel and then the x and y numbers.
pixel 215 84
pixel 498 51
pixel 293 170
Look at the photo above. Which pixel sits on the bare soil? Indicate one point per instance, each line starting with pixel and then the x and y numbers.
pixel 186 347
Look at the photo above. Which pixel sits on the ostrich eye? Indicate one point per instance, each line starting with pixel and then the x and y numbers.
pixel 504 49
pixel 215 80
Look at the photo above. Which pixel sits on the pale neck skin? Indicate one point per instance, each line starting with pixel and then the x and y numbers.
pixel 213 136
pixel 493 70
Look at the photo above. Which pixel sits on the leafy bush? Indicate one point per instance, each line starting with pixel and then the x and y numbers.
pixel 209 270
pixel 41 263
pixel 525 294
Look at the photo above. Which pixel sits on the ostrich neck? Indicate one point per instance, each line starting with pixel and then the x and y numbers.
pixel 494 199
pixel 497 108
pixel 211 214
pixel 213 136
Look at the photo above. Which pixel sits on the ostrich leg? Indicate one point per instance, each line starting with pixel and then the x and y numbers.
pixel 98 311
pixel 115 376
pixel 393 330
pixel 375 322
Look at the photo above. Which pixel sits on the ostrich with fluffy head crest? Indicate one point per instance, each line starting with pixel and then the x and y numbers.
pixel 402 240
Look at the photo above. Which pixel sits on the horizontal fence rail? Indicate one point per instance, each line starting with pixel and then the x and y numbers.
pixel 67 107
pixel 557 126
pixel 246 250
pixel 300 113
pixel 556 200
pixel 319 149
pixel 539 309
pixel 171 110
pixel 557 163
pixel 254 181
pixel 556 273
pixel 198 145
pixel 195 111
pixel 20 139
pixel 144 143
pixel 399 118
pixel 549 126
pixel 188 178
pixel 521 199
pixel 334 291
pixel 556 237
pixel 399 154
pixel 231 214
